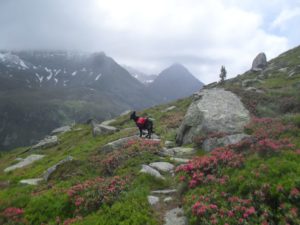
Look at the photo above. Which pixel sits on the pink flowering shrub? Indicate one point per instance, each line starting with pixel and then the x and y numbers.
pixel 267 133
pixel 13 215
pixel 205 169
pixel 263 128
pixel 131 149
pixel 222 208
pixel 88 196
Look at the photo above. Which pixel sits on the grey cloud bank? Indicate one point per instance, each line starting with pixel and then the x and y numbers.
pixel 150 35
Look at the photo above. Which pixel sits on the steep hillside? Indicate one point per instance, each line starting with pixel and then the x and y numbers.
pixel 273 91
pixel 173 83
pixel 142 77
pixel 42 90
pixel 236 166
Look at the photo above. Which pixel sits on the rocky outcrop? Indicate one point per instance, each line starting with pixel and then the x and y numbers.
pixel 260 62
pixel 47 142
pixel 211 143
pixel 212 110
pixel 24 162
pixel 49 171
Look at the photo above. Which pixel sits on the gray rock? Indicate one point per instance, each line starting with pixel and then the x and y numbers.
pixel 153 172
pixel 180 160
pixel 260 62
pixel 211 143
pixel 25 162
pixel 255 90
pixel 153 200
pixel 117 144
pixel 169 144
pixel 168 199
pixel 164 192
pixel 47 142
pixel 61 130
pixel 178 151
pixel 215 110
pixel 34 181
pixel 175 217
pixel 162 166
pixel 169 108
pixel 50 170
pixel 100 129
pixel 108 122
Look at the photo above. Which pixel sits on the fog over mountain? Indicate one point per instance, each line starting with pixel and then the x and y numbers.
pixel 151 35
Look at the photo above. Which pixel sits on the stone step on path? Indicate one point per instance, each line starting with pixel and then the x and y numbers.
pixel 166 202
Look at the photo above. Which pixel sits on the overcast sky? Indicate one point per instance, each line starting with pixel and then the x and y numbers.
pixel 151 35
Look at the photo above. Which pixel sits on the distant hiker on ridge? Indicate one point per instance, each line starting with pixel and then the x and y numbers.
pixel 143 124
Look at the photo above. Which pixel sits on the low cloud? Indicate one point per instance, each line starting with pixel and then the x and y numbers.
pixel 149 35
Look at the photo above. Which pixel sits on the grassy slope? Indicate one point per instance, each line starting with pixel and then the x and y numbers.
pixel 258 172
pixel 48 200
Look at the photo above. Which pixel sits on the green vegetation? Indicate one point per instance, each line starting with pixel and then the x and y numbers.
pixel 252 182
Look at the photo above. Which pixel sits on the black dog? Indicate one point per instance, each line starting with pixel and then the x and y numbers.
pixel 143 124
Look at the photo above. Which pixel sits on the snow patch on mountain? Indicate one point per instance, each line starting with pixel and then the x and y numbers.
pixel 97 78
pixel 39 77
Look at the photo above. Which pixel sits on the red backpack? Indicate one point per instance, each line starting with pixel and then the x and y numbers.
pixel 141 121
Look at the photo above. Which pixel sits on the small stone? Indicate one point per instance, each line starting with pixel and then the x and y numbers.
pixel 178 151
pixel 153 172
pixel 169 108
pixel 153 199
pixel 61 130
pixel 108 122
pixel 175 217
pixel 162 166
pixel 168 199
pixel 180 160
pixel 99 129
pixel 117 144
pixel 169 144
pixel 164 192
pixel 34 181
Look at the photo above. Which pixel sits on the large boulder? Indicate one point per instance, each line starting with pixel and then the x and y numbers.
pixel 212 110
pixel 260 62
pixel 211 143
